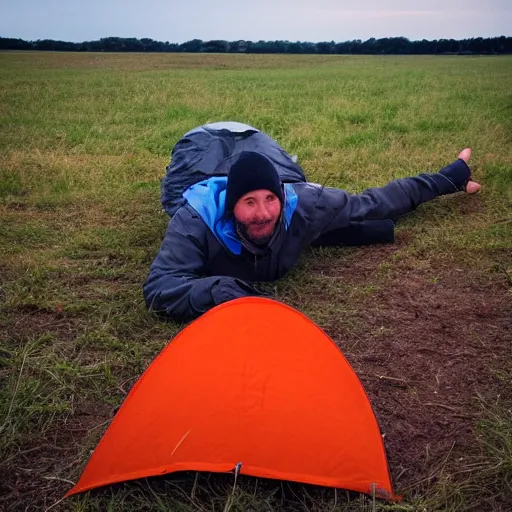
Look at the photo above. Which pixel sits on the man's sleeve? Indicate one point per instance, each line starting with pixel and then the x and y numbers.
pixel 177 285
pixel 337 208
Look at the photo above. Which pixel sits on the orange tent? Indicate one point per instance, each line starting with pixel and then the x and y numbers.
pixel 252 382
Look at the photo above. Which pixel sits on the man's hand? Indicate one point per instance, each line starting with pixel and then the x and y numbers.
pixel 472 187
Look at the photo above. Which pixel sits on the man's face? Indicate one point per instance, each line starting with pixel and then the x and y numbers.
pixel 258 211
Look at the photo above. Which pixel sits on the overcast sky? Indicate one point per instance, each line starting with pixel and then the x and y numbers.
pixel 294 20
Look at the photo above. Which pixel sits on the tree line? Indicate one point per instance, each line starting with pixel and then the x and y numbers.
pixel 372 46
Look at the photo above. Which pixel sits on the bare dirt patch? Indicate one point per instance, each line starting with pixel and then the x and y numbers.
pixel 30 321
pixel 37 475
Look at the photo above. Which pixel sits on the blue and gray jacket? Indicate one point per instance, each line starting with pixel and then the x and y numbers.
pixel 203 262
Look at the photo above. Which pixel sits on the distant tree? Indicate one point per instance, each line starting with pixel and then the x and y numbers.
pixel 215 46
pixel 398 45
pixel 325 47
pixel 173 47
pixel 193 46
pixel 349 47
pixel 368 46
pixel 8 43
pixel 238 46
pixel 280 47
pixel 388 45
pixel 308 47
pixel 45 44
pixel 503 44
pixel 258 47
pixel 294 47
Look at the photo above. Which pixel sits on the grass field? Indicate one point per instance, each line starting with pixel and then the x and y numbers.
pixel 425 322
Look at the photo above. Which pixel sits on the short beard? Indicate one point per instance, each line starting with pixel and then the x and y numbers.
pixel 260 241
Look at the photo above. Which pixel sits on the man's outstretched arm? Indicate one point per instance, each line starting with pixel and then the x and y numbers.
pixel 397 198
pixel 404 195
pixel 177 286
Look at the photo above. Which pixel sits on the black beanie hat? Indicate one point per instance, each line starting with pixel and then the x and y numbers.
pixel 252 171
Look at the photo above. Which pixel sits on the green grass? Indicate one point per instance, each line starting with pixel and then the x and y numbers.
pixel 84 141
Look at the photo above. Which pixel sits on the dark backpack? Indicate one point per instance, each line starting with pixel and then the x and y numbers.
pixel 210 150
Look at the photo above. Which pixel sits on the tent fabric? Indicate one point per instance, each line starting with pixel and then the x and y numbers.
pixel 211 149
pixel 251 382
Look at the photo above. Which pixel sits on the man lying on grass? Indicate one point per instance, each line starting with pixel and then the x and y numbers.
pixel 247 227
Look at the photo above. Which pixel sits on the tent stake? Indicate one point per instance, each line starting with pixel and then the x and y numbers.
pixel 229 502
